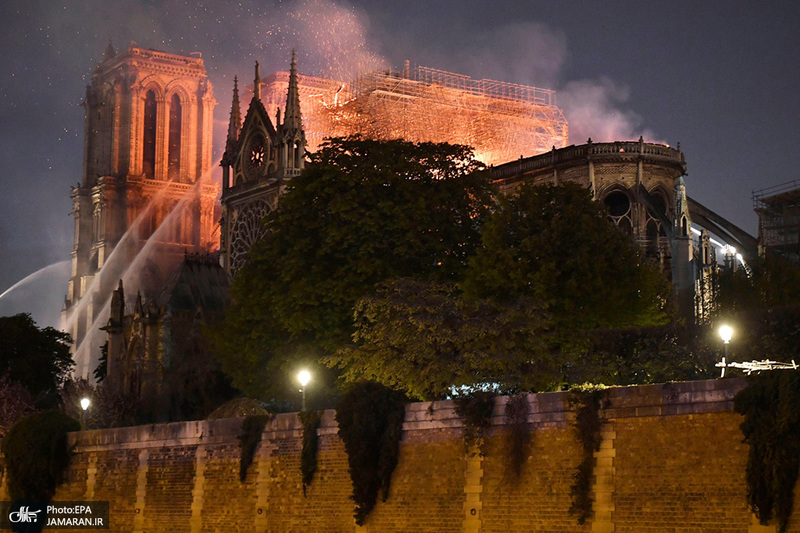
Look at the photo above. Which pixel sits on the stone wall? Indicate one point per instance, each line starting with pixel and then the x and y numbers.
pixel 671 460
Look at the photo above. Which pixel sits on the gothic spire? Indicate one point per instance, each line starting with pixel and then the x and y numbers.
pixel 110 52
pixel 236 115
pixel 257 84
pixel 291 116
pixel 682 220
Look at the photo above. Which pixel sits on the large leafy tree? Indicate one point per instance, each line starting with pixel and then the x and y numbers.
pixel 554 244
pixel 362 212
pixel 424 339
pixel 39 359
pixel 551 269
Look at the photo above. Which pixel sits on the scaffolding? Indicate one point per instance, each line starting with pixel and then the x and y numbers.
pixel 501 121
pixel 778 210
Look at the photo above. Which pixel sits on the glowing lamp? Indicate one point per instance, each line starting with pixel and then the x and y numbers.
pixel 303 377
pixel 726 333
pixel 85 403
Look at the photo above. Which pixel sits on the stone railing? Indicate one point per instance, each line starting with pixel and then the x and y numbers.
pixel 621 149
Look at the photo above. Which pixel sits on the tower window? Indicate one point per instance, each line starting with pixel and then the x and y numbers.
pixel 174 138
pixel 149 154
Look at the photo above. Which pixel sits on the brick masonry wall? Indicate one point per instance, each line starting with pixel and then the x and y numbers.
pixel 671 460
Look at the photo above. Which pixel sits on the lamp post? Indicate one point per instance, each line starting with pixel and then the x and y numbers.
pixel 303 377
pixel 726 333
pixel 85 403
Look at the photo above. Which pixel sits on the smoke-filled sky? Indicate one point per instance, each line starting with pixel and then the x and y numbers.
pixel 720 77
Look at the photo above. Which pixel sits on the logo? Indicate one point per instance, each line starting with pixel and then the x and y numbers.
pixel 24 514
pixel 30 516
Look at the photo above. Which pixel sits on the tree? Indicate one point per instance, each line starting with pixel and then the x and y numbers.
pixel 15 403
pixel 362 212
pixel 424 339
pixel 38 359
pixel 554 244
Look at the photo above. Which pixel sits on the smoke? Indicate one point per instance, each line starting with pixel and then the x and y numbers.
pixel 596 109
pixel 528 53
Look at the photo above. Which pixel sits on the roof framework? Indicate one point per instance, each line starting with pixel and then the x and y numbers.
pixel 501 121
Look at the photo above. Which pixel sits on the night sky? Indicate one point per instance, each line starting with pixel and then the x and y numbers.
pixel 719 77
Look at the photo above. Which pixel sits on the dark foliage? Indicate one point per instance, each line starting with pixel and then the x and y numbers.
pixel 370 418
pixel 36 454
pixel 424 338
pixel 764 288
pixel 556 245
pixel 517 410
pixel 37 358
pixel 15 403
pixel 641 356
pixel 771 428
pixel 361 213
pixel 252 428
pixel 476 410
pixel 102 365
pixel 587 426
pixel 308 455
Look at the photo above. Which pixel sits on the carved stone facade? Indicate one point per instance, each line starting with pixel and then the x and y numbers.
pixel 147 160
pixel 259 159
pixel 158 356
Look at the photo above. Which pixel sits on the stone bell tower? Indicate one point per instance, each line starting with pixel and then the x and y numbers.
pixel 147 159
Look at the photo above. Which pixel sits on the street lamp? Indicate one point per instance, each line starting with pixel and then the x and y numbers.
pixel 303 377
pixel 726 333
pixel 85 403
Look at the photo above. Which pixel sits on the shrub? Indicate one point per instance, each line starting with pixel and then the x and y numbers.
pixel 308 456
pixel 587 425
pixel 252 428
pixel 36 453
pixel 370 418
pixel 771 428
pixel 476 410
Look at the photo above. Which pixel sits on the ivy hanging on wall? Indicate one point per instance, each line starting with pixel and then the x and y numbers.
pixel 370 418
pixel 308 455
pixel 771 428
pixel 36 454
pixel 587 424
pixel 517 409
pixel 476 411
pixel 252 428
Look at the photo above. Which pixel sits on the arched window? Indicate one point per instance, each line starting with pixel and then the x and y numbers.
pixel 618 207
pixel 149 144
pixel 298 154
pixel 174 172
pixel 617 203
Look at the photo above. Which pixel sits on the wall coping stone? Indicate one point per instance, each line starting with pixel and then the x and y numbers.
pixel 546 409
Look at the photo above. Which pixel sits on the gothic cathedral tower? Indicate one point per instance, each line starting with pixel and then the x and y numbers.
pixel 259 159
pixel 145 184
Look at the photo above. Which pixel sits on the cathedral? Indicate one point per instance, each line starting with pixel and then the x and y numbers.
pixel 146 209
